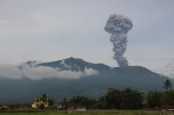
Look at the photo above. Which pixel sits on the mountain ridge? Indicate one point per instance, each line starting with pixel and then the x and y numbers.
pixel 93 85
pixel 73 62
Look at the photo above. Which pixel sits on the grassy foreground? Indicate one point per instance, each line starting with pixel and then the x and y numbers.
pixel 93 112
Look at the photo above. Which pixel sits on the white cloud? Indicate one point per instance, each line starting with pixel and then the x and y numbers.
pixel 89 72
pixel 10 71
pixel 41 72
pixel 65 65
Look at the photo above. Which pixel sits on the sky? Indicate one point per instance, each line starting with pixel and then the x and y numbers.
pixel 50 30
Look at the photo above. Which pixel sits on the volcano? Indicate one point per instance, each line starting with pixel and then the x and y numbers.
pixel 25 89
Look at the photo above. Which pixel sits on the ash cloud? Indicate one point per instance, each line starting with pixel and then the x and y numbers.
pixel 118 26
pixel 42 72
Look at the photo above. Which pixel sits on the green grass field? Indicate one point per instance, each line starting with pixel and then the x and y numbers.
pixel 93 112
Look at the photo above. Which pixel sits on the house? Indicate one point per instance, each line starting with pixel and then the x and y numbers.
pixel 81 109
pixel 167 108
pixel 75 107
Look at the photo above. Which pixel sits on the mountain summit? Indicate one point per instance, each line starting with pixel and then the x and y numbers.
pixel 75 64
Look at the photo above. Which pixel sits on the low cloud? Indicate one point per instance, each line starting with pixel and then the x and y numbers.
pixel 10 71
pixel 42 72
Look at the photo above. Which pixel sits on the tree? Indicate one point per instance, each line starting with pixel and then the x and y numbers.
pixel 167 84
pixel 123 99
pixel 157 99
pixel 167 98
pixel 44 98
pixel 132 99
pixel 113 98
pixel 153 99
pixel 50 102
pixel 82 101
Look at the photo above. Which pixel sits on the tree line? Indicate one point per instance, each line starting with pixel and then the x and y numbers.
pixel 118 99
pixel 114 99
pixel 156 99
pixel 126 99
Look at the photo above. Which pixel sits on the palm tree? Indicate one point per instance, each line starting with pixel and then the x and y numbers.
pixel 167 84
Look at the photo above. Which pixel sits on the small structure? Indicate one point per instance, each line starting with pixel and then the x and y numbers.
pixel 61 106
pixel 38 103
pixel 71 107
pixel 4 108
pixel 167 108
pixel 74 107
pixel 81 109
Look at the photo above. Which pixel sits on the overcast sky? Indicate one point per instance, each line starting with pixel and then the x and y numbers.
pixel 49 30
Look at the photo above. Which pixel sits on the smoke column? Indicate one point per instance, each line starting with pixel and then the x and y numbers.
pixel 118 26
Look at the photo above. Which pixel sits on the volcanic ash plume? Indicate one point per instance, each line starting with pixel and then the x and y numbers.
pixel 119 26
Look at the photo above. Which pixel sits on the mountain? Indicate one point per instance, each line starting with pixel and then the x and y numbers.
pixel 93 80
pixel 75 64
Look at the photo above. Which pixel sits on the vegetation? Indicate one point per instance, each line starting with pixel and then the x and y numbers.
pixel 156 99
pixel 82 101
pixel 93 112
pixel 127 99
pixel 167 84
pixel 121 99
pixel 115 101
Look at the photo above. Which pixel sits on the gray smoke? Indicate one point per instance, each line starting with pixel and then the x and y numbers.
pixel 118 26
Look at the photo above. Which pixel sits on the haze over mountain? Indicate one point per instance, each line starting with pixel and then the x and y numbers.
pixel 72 77
pixel 168 70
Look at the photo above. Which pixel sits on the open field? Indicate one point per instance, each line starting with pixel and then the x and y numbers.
pixel 93 112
